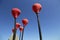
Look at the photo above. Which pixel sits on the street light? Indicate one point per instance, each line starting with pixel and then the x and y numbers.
pixel 25 22
pixel 21 30
pixel 37 8
pixel 15 12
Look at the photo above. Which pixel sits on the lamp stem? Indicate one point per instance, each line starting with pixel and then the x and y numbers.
pixel 14 33
pixel 40 34
pixel 22 33
pixel 20 36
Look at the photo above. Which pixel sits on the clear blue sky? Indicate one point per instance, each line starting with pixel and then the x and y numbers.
pixel 49 19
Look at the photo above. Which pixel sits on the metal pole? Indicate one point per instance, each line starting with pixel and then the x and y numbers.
pixel 20 36
pixel 22 33
pixel 40 34
pixel 14 33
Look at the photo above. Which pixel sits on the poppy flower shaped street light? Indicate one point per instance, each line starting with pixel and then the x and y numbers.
pixel 21 30
pixel 15 12
pixel 25 22
pixel 17 25
pixel 37 8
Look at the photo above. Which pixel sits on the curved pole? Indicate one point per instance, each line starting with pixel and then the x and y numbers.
pixel 40 34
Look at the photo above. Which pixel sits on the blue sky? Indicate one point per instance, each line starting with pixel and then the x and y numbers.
pixel 49 19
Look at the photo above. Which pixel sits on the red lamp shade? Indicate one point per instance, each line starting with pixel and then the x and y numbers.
pixel 17 25
pixel 13 30
pixel 36 7
pixel 21 28
pixel 15 12
pixel 25 21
